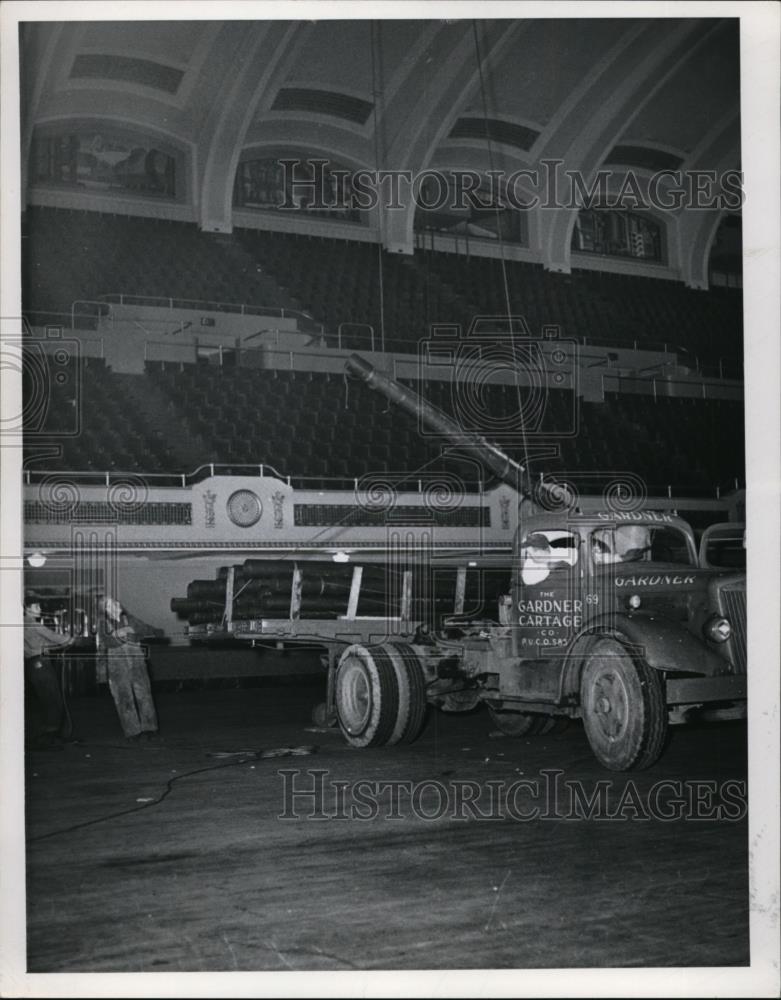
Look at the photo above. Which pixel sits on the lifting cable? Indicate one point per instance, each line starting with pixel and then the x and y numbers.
pixel 374 44
pixel 500 238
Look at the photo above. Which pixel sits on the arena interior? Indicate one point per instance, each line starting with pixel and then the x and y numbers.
pixel 201 255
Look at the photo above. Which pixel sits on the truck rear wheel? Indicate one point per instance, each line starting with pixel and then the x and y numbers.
pixel 623 708
pixel 367 695
pixel 411 682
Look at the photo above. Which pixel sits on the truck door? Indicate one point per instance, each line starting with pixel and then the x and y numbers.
pixel 548 607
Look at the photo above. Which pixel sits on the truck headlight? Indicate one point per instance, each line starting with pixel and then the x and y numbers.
pixel 717 629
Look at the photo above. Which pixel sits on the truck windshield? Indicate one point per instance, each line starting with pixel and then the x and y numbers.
pixel 544 551
pixel 640 543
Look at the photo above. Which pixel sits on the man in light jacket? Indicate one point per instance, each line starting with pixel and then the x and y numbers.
pixel 40 674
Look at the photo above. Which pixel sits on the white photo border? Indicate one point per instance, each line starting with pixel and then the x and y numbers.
pixel 760 36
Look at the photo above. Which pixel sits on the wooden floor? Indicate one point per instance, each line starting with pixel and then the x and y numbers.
pixel 211 879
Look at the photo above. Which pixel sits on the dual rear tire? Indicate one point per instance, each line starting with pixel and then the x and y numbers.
pixel 380 694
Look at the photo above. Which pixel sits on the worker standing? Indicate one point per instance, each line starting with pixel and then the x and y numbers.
pixel 40 676
pixel 119 640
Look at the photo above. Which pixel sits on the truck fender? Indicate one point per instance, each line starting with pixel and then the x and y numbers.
pixel 661 643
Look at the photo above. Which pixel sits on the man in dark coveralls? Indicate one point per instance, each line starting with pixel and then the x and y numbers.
pixel 119 638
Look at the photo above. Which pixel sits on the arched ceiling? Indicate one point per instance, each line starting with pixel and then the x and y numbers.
pixel 397 93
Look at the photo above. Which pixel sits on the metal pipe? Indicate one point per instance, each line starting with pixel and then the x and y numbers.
pixel 504 468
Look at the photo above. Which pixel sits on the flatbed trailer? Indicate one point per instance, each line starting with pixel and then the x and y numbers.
pixel 335 635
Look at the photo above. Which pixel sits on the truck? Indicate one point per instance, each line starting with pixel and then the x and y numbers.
pixel 609 616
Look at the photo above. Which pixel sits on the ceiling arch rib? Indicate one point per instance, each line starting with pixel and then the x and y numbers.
pixel 194 72
pixel 261 59
pixel 389 80
pixel 439 98
pixel 39 50
pixel 609 101
pixel 720 152
pixel 696 238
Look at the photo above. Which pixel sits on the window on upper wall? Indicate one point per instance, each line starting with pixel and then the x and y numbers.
pixel 95 160
pixel 616 233
pixel 296 183
pixel 480 213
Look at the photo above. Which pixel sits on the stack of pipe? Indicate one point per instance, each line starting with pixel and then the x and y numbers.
pixel 262 589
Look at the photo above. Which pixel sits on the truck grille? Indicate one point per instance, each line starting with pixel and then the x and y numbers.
pixel 733 602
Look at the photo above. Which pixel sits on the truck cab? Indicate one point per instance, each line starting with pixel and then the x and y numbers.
pixel 573 570
pixel 613 618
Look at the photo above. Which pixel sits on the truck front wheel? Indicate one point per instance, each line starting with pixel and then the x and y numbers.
pixel 623 708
